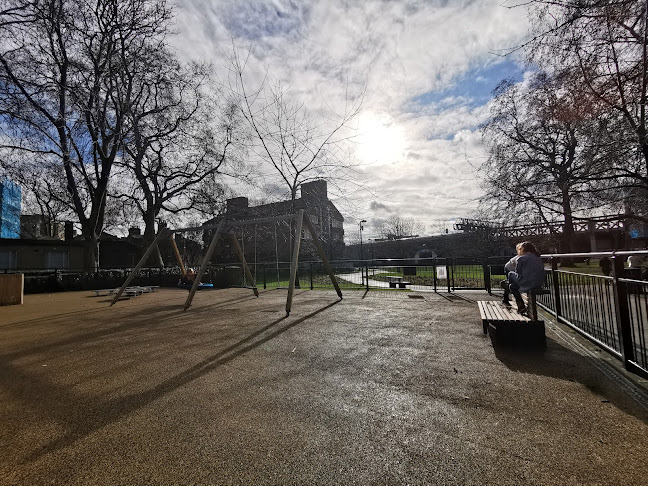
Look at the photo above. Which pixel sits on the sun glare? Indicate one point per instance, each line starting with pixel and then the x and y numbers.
pixel 380 139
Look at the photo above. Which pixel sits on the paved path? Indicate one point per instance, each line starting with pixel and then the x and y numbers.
pixel 357 278
pixel 379 388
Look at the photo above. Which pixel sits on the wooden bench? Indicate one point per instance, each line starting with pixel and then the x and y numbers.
pixel 397 281
pixel 506 326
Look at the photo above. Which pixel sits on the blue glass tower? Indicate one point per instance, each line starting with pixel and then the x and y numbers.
pixel 10 200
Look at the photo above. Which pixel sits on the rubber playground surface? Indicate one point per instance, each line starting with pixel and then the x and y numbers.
pixel 379 388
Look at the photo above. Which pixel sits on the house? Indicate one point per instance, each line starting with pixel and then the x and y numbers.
pixel 32 254
pixel 271 241
pixel 37 226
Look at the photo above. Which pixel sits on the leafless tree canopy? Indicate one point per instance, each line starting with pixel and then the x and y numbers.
pixel 396 226
pixel 544 159
pixel 62 93
pixel 606 44
pixel 100 121
pixel 299 144
pixel 572 140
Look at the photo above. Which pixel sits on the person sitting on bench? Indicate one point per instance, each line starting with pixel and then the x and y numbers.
pixel 528 274
pixel 510 266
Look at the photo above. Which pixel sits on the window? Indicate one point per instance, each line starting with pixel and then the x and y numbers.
pixel 8 259
pixel 57 259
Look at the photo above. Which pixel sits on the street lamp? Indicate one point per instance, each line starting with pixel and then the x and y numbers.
pixel 361 228
pixel 361 254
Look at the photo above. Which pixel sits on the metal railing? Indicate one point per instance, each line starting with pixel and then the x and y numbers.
pixel 611 311
pixel 423 275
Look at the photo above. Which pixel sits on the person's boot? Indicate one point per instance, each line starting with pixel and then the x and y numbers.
pixel 505 300
pixel 521 308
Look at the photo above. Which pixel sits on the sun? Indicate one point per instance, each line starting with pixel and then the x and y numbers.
pixel 380 139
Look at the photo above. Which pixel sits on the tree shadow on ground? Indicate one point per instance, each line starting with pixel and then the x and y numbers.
pixel 560 362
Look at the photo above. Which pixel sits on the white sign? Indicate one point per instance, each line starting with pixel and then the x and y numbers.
pixel 442 272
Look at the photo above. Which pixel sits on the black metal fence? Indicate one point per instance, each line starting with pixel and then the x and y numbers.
pixel 423 275
pixel 609 310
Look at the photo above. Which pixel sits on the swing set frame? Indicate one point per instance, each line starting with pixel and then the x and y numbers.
pixel 226 228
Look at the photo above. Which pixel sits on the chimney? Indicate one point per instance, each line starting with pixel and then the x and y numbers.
pixel 237 207
pixel 315 190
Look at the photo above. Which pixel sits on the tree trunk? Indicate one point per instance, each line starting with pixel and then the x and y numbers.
pixel 568 228
pixel 155 259
pixel 91 254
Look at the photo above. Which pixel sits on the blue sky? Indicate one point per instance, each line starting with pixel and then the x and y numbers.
pixel 427 68
pixel 473 87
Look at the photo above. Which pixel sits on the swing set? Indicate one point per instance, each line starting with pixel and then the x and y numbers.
pixel 226 228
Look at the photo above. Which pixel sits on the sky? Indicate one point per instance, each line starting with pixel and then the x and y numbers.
pixel 427 69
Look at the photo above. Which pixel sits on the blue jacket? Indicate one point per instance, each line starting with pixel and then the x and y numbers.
pixel 530 273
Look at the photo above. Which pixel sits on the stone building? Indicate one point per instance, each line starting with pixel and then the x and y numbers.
pixel 269 242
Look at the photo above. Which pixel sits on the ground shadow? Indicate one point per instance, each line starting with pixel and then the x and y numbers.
pixel 560 362
pixel 80 416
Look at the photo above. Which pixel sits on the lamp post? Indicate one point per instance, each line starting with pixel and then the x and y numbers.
pixel 361 254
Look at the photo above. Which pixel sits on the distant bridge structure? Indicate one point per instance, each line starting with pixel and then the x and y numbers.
pixel 581 225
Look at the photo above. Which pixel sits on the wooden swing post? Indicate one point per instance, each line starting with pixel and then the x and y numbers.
pixel 203 266
pixel 295 260
pixel 241 256
pixel 322 254
pixel 176 252
pixel 140 264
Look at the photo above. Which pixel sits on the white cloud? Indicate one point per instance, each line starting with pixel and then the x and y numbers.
pixel 418 155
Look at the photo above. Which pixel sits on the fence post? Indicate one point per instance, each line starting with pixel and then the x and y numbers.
pixel 487 278
pixel 311 275
pixel 556 287
pixel 624 330
pixel 434 267
pixel 449 273
pixel 366 271
pixel 264 277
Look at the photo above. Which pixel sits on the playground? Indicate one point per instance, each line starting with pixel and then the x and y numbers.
pixel 380 387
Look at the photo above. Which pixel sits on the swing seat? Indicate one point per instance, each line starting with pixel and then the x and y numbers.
pixel 201 286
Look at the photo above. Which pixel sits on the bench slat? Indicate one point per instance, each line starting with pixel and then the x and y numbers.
pixel 507 325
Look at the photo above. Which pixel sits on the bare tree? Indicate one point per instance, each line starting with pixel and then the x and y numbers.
pixel 61 89
pixel 606 42
pixel 180 135
pixel 396 226
pixel 543 159
pixel 299 144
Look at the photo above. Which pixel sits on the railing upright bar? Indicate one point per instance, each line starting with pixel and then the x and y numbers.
pixel 366 270
pixel 434 274
pixel 622 312
pixel 556 287
pixel 487 278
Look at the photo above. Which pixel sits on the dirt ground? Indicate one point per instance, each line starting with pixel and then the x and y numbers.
pixel 383 388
